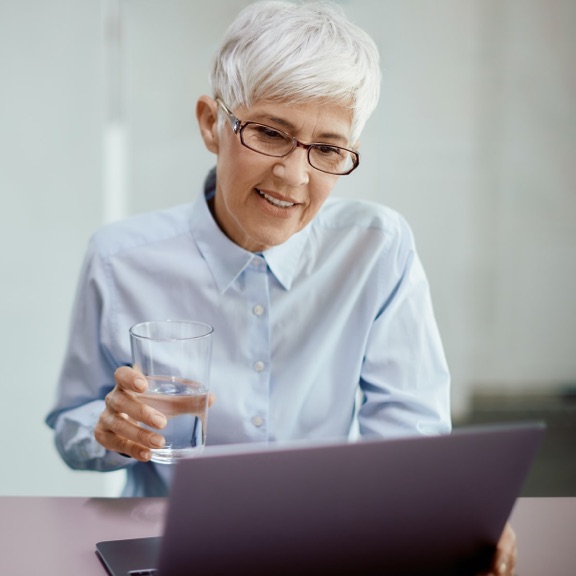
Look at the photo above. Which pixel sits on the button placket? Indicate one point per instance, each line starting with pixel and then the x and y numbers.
pixel 259 344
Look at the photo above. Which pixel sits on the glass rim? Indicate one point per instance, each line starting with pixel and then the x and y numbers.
pixel 133 330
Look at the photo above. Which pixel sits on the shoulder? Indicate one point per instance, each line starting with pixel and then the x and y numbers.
pixel 364 217
pixel 141 230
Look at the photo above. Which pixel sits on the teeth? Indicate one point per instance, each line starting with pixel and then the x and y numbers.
pixel 279 203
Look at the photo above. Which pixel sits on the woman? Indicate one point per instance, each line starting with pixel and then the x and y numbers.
pixel 316 302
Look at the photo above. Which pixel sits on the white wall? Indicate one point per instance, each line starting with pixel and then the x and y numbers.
pixel 528 317
pixel 473 141
pixel 50 127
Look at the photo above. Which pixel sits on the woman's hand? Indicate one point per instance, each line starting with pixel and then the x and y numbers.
pixel 118 427
pixel 504 563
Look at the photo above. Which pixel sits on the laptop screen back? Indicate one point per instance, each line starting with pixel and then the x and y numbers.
pixel 408 506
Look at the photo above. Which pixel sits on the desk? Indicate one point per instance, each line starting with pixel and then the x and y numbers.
pixel 56 536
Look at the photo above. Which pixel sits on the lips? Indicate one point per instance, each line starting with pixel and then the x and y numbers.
pixel 275 201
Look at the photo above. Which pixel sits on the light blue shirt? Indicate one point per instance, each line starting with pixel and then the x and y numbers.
pixel 329 333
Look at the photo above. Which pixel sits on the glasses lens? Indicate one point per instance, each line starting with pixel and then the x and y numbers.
pixel 272 142
pixel 332 159
pixel 266 140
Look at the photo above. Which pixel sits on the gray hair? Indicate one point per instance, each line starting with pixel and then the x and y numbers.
pixel 298 52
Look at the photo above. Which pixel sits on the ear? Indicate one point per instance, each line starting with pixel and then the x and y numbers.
pixel 207 116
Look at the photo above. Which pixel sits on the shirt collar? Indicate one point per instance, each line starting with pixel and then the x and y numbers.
pixel 283 260
pixel 226 259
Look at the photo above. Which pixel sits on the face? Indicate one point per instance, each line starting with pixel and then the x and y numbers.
pixel 262 201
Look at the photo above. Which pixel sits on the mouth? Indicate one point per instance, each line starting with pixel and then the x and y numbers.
pixel 276 201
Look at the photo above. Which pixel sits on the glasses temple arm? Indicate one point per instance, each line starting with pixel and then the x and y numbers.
pixel 234 122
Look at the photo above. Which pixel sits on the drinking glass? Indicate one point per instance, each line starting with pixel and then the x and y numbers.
pixel 174 356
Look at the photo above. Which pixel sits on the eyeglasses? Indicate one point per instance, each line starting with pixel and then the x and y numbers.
pixel 273 142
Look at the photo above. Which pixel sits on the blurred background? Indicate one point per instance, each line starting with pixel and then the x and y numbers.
pixel 474 141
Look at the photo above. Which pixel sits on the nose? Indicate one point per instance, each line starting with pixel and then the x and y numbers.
pixel 294 168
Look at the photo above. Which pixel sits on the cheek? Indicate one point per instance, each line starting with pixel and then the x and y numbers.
pixel 317 199
pixel 236 168
pixel 321 192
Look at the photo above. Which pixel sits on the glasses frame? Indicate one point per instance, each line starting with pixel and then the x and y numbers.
pixel 238 128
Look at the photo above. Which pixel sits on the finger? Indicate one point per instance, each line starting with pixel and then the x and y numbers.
pixel 128 378
pixel 119 433
pixel 124 428
pixel 505 557
pixel 122 445
pixel 120 401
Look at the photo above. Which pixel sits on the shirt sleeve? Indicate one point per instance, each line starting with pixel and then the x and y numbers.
pixel 75 441
pixel 87 374
pixel 405 381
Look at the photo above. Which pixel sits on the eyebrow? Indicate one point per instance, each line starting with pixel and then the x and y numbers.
pixel 288 126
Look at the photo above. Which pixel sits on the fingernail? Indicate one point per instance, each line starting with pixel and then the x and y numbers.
pixel 502 568
pixel 145 455
pixel 157 441
pixel 140 384
pixel 158 421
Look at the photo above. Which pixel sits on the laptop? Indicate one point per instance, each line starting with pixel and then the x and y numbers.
pixel 425 505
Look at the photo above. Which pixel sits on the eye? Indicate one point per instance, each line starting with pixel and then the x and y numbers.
pixel 267 133
pixel 327 150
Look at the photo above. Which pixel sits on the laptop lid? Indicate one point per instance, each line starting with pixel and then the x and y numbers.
pixel 434 505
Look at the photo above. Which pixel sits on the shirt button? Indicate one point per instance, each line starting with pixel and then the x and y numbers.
pixel 259 366
pixel 257 421
pixel 258 262
pixel 258 310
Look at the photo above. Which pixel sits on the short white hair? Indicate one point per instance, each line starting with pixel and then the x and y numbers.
pixel 298 52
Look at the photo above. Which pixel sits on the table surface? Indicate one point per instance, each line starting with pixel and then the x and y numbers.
pixel 56 536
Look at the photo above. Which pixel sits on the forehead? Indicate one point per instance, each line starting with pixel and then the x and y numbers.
pixel 310 120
